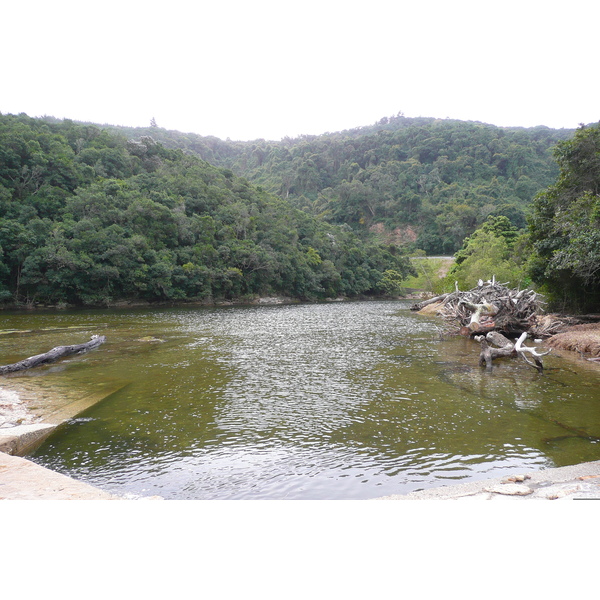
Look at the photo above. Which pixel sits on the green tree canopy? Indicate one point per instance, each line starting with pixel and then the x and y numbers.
pixel 565 225
pixel 88 217
pixel 437 178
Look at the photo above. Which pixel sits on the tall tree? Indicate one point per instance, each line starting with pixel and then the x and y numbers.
pixel 565 225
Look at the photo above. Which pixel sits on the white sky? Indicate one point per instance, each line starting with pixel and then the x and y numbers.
pixel 266 69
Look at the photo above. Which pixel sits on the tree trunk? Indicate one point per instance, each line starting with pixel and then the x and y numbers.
pixel 487 354
pixel 53 355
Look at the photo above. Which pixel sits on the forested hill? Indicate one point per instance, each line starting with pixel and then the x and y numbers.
pixel 425 182
pixel 88 217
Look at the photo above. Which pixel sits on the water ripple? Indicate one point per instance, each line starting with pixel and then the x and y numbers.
pixel 352 400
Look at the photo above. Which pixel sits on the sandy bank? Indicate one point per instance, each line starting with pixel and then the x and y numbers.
pixel 584 339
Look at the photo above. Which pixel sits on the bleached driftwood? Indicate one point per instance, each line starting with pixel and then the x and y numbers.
pixel 484 309
pixel 523 350
pixel 491 306
pixel 488 353
pixel 506 348
pixel 53 355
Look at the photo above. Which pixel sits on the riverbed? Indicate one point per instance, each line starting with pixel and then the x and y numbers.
pixel 350 400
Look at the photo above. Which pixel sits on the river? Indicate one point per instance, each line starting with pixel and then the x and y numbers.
pixel 350 400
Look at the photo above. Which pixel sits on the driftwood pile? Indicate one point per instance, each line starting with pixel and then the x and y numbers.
pixel 490 306
pixel 492 313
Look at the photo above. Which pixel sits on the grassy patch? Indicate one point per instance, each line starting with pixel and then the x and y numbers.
pixel 431 273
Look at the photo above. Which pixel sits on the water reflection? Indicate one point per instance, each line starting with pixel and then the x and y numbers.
pixel 353 400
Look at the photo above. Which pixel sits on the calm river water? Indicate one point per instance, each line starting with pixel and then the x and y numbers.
pixel 312 401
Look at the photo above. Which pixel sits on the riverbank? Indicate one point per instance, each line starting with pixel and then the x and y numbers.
pixel 583 339
pixel 576 482
pixel 22 479
pixel 208 302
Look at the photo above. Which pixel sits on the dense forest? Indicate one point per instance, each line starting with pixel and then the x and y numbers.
pixel 88 217
pixel 559 251
pixel 564 228
pixel 420 182
pixel 92 215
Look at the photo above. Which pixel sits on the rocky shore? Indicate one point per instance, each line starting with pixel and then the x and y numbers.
pixel 577 482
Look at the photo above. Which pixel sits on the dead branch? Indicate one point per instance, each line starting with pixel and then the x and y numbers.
pixel 506 348
pixel 489 353
pixel 522 350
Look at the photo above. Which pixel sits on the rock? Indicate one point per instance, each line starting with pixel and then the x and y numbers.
pixel 23 438
pixel 510 489
pixel 554 492
pixel 272 300
pixel 515 478
pixel 22 479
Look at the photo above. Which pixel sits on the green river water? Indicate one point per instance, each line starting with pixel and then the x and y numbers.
pixel 348 400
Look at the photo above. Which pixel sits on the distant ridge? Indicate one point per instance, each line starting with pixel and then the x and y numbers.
pixel 431 181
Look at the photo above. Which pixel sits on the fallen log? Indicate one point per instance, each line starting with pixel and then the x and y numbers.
pixel 507 348
pixel 489 353
pixel 53 355
pixel 424 303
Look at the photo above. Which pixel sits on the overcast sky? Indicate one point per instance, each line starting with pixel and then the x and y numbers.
pixel 269 69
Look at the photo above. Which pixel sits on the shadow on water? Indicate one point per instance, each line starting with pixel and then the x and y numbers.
pixel 343 400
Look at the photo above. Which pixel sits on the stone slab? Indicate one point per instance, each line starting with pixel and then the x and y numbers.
pixel 22 479
pixel 23 439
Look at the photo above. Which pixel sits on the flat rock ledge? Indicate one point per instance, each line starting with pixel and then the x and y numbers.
pixel 21 479
pixel 22 430
pixel 577 482
pixel 18 440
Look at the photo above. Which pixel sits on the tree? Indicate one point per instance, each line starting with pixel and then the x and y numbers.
pixel 88 217
pixel 496 248
pixel 565 225
pixel 485 256
pixel 442 177
pixel 391 282
pixel 499 226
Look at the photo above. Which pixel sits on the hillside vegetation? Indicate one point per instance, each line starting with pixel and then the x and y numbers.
pixel 89 218
pixel 424 183
pixel 92 215
pixel 559 252
pixel 565 226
